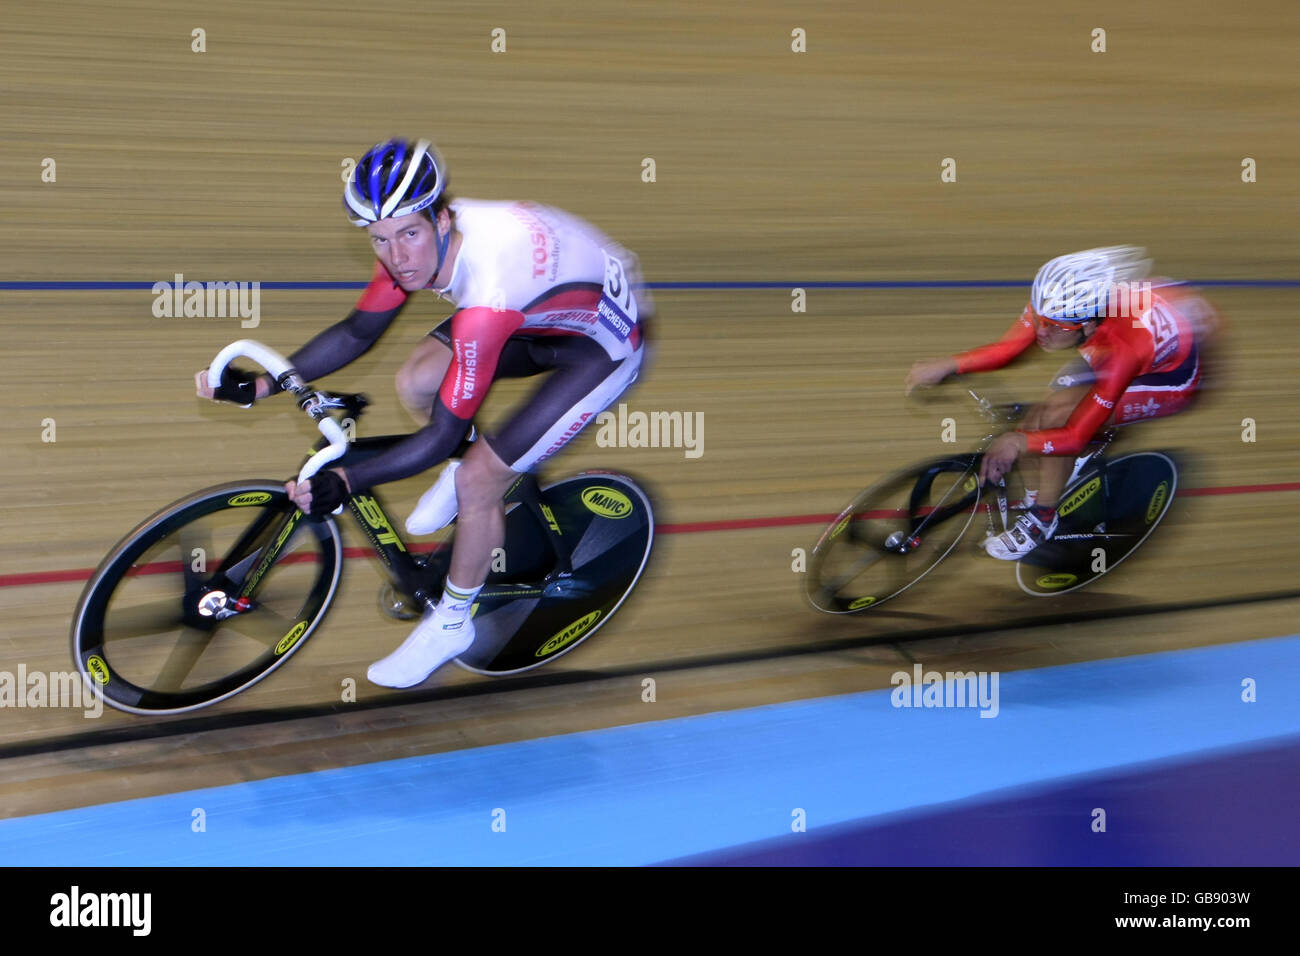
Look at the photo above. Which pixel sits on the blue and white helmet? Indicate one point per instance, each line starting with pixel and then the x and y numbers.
pixel 394 179
pixel 1078 287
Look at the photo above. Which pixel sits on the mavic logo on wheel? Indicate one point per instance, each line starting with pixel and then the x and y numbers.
pixel 1050 582
pixel 1157 501
pixel 1079 497
pixel 374 516
pixel 249 498
pixel 98 669
pixel 568 635
pixel 291 638
pixel 607 502
pixel 862 602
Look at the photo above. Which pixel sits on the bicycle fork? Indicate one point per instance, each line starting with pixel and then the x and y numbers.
pixel 937 513
pixel 231 588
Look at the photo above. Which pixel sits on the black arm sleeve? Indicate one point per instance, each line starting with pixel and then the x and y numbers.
pixel 431 445
pixel 341 343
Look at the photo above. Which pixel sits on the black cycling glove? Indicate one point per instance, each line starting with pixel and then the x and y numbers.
pixel 328 492
pixel 237 386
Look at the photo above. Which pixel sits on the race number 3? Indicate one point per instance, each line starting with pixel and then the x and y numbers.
pixel 618 290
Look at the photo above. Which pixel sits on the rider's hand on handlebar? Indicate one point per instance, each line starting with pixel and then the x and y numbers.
pixel 323 494
pixel 1001 455
pixel 929 372
pixel 241 387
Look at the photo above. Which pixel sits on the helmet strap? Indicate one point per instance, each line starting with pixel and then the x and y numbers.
pixel 443 243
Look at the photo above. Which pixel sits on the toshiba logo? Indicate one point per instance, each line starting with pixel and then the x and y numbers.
pixel 569 432
pixel 537 235
pixel 469 359
pixel 539 253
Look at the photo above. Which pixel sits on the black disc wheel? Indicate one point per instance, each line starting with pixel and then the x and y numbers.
pixel 524 616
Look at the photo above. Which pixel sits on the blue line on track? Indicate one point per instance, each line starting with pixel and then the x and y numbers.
pixel 95 286
pixel 669 789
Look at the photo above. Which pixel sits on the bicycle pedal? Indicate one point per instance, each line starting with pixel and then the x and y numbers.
pixel 397 605
pixel 568 586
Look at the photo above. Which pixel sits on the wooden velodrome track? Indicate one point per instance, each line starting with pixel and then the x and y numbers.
pixel 770 166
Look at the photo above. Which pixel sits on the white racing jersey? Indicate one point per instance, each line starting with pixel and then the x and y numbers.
pixel 561 273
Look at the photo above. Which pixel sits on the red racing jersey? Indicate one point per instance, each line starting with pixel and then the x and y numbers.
pixel 1160 339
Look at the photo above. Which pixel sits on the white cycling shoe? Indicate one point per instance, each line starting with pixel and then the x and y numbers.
pixel 437 507
pixel 436 640
pixel 1026 534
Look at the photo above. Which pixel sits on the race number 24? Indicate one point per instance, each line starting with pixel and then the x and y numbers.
pixel 1164 330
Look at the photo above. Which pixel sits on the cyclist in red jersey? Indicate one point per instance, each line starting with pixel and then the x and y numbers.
pixel 537 290
pixel 1140 342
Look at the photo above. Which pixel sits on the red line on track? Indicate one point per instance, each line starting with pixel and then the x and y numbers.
pixel 695 527
pixel 1242 489
pixel 741 524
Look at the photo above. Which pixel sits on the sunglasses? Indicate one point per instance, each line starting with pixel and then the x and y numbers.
pixel 1068 326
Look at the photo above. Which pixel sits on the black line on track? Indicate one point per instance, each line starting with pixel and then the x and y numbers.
pixel 179 726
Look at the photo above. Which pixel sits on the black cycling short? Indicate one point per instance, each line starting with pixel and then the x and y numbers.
pixel 584 381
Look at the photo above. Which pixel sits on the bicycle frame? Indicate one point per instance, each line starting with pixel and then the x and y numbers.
pixel 415 578
pixel 1008 414
pixel 929 506
pixel 532 614
pixel 408 574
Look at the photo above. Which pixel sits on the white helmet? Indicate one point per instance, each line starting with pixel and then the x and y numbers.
pixel 1077 287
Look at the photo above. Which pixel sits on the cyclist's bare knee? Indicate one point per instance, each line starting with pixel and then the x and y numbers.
pixel 418 379
pixel 482 478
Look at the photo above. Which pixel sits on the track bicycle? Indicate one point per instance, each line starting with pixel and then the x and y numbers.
pixel 218 590
pixel 901 529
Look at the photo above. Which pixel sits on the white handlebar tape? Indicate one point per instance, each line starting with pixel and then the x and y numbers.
pixel 268 358
pixel 338 445
pixel 277 365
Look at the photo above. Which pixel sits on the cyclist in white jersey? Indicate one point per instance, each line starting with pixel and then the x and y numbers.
pixel 537 290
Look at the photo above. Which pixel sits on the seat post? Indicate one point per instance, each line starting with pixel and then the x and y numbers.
pixel 527 492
